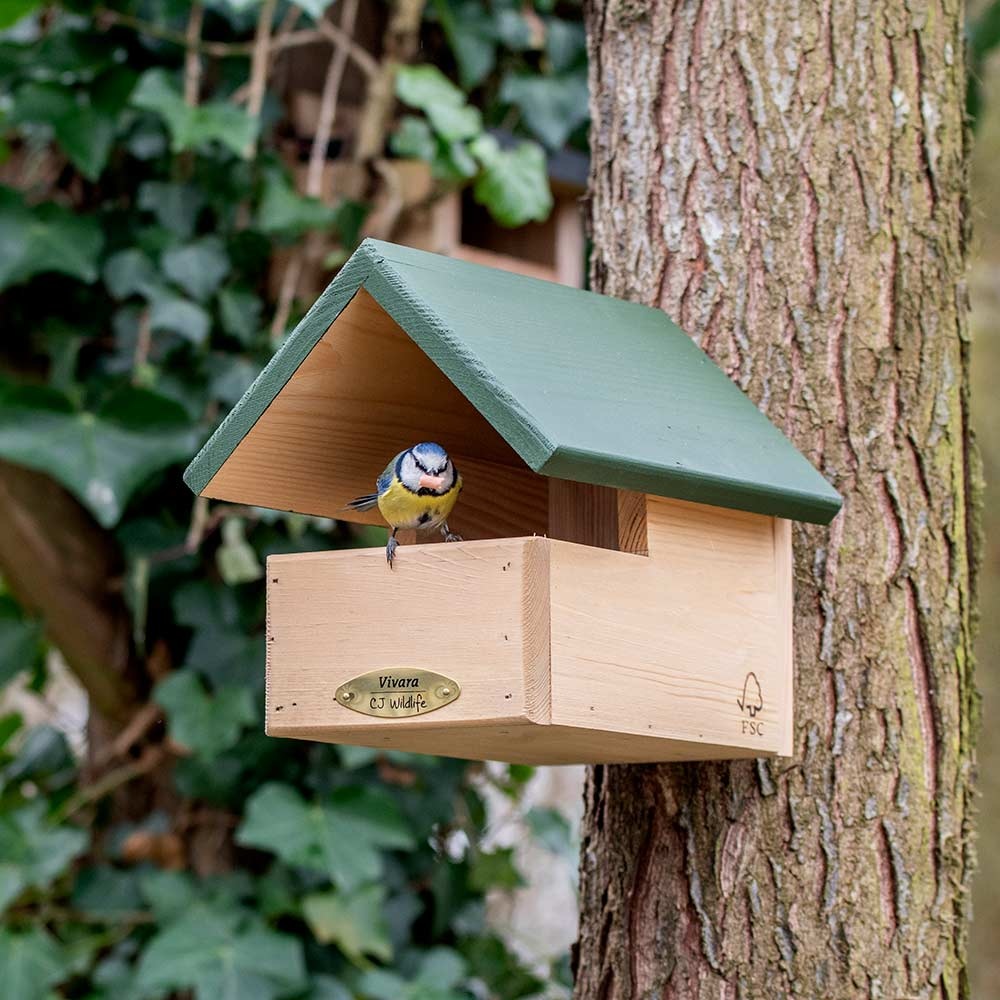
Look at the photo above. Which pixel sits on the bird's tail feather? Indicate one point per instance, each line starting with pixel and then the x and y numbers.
pixel 363 503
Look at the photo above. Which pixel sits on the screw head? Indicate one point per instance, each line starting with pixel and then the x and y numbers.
pixel 444 690
pixel 347 696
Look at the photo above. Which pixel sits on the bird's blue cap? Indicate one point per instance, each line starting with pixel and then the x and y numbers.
pixel 429 450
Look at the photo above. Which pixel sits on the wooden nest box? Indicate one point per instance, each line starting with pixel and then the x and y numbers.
pixel 624 592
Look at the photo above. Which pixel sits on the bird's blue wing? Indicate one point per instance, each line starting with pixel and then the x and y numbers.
pixel 370 500
pixel 388 475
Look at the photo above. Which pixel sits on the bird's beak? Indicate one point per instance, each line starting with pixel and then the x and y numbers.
pixel 431 482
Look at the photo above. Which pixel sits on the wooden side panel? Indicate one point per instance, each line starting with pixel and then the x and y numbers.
pixel 784 575
pixel 474 611
pixel 364 393
pixel 687 644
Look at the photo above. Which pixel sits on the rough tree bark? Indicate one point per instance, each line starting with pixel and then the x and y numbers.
pixel 787 180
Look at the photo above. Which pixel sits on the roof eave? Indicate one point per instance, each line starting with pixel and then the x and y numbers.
pixel 278 370
pixel 819 506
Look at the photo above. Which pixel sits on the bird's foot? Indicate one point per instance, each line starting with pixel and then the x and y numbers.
pixel 390 551
pixel 449 535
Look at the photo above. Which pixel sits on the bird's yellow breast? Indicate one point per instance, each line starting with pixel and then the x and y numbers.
pixel 404 509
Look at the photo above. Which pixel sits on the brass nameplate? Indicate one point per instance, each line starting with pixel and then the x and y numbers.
pixel 397 692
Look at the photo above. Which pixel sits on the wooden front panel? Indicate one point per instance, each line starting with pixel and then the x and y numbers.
pixel 364 393
pixel 474 611
pixel 669 645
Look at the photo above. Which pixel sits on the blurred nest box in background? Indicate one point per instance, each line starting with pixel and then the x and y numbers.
pixel 624 592
pixel 410 206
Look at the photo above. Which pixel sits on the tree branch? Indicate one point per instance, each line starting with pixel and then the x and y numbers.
pixel 192 57
pixel 328 101
pixel 57 561
pixel 219 50
pixel 260 61
pixel 401 40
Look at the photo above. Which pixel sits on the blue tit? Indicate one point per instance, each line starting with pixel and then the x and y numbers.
pixel 418 489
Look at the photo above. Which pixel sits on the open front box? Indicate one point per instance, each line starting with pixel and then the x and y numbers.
pixel 625 589
pixel 564 653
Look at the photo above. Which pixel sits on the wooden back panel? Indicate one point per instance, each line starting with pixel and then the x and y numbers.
pixel 364 393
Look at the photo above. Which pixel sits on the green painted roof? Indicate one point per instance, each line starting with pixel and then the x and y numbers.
pixel 582 386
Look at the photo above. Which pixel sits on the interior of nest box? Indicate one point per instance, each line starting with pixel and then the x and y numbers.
pixel 365 392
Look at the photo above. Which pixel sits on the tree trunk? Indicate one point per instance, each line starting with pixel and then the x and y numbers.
pixel 787 180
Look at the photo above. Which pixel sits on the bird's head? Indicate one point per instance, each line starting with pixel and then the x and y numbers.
pixel 427 467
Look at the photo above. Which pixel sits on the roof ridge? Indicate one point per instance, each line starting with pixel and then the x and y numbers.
pixel 457 361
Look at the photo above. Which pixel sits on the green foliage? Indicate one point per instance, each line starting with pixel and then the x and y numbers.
pixel 509 182
pixel 512 184
pixel 101 455
pixel 206 724
pixel 983 37
pixel 30 962
pixel 553 106
pixel 354 922
pixel 340 836
pixel 44 238
pixel 34 852
pixel 193 127
pixel 135 254
pixel 221 952
pixel 20 640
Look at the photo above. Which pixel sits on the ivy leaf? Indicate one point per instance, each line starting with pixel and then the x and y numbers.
pixel 552 106
pixel 565 43
pixel 219 953
pixel 413 139
pixel 179 315
pixel 353 922
pixel 193 128
pixel 426 86
pixel 101 456
pixel 199 267
pixel 227 657
pixel 84 134
pixel 129 272
pixel 440 972
pixel 453 123
pixel 20 640
pixel 204 723
pixel 514 183
pixel 231 377
pixel 33 851
pixel 45 238
pixel 284 212
pixel 328 988
pixel 240 312
pixel 31 962
pixel 199 604
pixel 107 892
pixel 471 33
pixel 176 206
pixel 83 120
pixel 340 836
pixel 453 162
pixel 236 559
pixel 442 968
pixel 495 870
pixel 551 828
